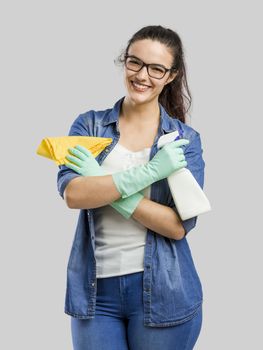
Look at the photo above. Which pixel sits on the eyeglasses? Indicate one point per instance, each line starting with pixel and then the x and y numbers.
pixel 156 71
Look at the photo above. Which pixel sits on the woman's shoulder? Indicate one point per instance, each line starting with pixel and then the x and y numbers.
pixel 90 118
pixel 94 115
pixel 102 117
pixel 186 130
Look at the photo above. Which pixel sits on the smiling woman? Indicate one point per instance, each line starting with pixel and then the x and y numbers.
pixel 130 272
pixel 148 69
pixel 163 58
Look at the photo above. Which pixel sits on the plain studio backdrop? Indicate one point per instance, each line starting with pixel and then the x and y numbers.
pixel 57 62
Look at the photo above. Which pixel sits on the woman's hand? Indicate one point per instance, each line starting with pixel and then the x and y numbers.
pixel 83 162
pixel 167 160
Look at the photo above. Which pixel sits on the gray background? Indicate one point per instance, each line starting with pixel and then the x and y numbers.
pixel 57 62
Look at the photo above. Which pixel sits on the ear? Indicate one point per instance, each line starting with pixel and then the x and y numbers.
pixel 170 78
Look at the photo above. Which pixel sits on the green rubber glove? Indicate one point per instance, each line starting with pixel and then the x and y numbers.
pixel 85 164
pixel 166 161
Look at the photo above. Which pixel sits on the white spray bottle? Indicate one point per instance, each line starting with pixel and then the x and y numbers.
pixel 188 196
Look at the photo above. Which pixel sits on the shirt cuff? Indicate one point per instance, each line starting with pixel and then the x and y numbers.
pixel 189 224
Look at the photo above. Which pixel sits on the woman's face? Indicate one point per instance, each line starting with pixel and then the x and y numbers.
pixel 148 51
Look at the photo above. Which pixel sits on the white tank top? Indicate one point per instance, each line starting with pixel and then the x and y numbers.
pixel 119 242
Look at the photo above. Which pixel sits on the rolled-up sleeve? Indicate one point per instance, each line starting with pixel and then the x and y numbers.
pixel 196 164
pixel 65 174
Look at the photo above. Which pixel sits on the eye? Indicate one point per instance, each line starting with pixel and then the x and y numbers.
pixel 133 61
pixel 157 69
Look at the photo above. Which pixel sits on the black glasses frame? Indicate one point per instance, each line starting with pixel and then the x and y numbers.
pixel 147 65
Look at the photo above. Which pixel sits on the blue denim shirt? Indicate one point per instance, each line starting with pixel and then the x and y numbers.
pixel 172 290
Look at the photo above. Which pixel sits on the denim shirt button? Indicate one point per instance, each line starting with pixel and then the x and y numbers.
pixel 93 284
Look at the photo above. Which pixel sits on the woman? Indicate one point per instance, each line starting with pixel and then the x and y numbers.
pixel 131 279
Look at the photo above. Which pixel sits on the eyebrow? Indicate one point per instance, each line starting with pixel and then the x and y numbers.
pixel 157 64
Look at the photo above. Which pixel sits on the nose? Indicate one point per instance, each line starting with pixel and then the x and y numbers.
pixel 142 74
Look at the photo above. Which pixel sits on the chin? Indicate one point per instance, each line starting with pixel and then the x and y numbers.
pixel 139 98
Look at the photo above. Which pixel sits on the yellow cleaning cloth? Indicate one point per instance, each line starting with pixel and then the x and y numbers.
pixel 56 148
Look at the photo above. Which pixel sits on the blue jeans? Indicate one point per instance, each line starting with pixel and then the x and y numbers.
pixel 118 322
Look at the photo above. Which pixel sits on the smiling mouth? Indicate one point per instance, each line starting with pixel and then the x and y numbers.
pixel 139 87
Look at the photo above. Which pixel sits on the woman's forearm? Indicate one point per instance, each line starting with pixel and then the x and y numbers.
pixel 159 218
pixel 85 192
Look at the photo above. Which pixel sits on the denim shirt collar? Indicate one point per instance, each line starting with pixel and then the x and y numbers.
pixel 113 116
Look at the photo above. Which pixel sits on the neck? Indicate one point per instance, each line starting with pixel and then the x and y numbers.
pixel 140 114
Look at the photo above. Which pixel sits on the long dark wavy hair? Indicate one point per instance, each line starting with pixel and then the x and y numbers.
pixel 172 97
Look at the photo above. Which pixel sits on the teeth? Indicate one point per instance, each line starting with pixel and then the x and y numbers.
pixel 139 86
